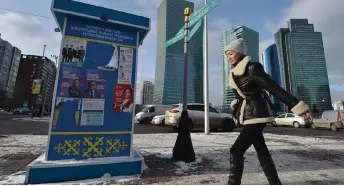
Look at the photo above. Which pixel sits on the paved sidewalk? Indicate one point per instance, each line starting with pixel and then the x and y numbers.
pixel 299 160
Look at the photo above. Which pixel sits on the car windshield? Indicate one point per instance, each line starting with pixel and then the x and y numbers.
pixel 173 106
pixel 145 109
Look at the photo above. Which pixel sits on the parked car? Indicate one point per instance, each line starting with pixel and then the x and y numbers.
pixel 149 111
pixel 21 111
pixel 158 120
pixel 290 119
pixel 331 119
pixel 196 115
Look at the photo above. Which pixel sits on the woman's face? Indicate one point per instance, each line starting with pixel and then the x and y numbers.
pixel 232 56
pixel 127 93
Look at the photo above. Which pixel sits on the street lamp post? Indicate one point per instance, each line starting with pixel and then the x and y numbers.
pixel 205 74
pixel 183 149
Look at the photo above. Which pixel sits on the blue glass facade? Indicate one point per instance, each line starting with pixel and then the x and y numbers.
pixel 169 70
pixel 304 64
pixel 272 67
pixel 251 38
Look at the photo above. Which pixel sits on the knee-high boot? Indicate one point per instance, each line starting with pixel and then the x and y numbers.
pixel 269 169
pixel 235 170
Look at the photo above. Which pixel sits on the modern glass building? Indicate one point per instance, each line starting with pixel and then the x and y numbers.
pixel 147 93
pixel 271 67
pixel 303 53
pixel 9 63
pixel 169 70
pixel 251 38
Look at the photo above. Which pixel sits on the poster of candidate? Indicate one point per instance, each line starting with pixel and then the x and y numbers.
pixel 123 98
pixel 72 84
pixel 95 82
pixel 125 65
pixel 73 51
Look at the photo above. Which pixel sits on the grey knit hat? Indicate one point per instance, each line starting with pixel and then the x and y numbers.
pixel 237 45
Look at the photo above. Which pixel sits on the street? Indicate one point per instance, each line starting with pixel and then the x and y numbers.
pixel 8 126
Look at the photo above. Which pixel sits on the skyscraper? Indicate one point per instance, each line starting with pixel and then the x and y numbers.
pixel 271 67
pixel 147 93
pixel 169 70
pixel 251 38
pixel 302 52
pixel 9 63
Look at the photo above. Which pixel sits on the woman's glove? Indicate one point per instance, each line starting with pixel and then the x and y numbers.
pixel 234 102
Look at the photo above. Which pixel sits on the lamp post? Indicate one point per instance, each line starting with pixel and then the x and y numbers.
pixel 205 75
pixel 44 50
pixel 183 148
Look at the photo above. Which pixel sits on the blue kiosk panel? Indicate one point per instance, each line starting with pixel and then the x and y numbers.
pixel 93 106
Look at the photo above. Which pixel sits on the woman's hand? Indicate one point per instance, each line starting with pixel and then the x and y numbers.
pixel 307 115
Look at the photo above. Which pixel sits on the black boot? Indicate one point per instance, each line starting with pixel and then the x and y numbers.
pixel 235 170
pixel 269 169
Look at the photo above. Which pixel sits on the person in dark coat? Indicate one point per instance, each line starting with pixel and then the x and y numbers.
pixel 71 52
pixel 252 110
pixel 65 53
pixel 81 53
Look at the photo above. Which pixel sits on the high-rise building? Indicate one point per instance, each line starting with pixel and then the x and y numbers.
pixel 251 38
pixel 9 62
pixel 302 58
pixel 169 70
pixel 35 67
pixel 271 67
pixel 147 93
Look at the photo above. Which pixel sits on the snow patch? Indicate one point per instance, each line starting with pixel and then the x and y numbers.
pixel 14 179
pixel 44 119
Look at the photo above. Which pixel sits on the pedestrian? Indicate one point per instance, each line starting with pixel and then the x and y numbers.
pixel 251 109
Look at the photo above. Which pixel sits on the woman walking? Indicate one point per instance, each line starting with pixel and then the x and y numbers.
pixel 249 82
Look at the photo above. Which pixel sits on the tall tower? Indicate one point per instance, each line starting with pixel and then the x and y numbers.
pixel 147 93
pixel 169 70
pixel 251 38
pixel 271 67
pixel 302 51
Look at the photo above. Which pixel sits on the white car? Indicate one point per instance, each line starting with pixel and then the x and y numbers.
pixel 290 119
pixel 196 115
pixel 158 120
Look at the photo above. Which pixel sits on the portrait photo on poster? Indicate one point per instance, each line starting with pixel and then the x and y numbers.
pixel 72 84
pixel 123 98
pixel 113 63
pixel 73 51
pixel 125 65
pixel 94 84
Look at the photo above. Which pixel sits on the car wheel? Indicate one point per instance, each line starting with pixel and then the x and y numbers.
pixel 274 123
pixel 228 125
pixel 333 127
pixel 313 126
pixel 296 124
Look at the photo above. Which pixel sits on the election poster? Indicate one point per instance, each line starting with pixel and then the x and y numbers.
pixel 72 84
pixel 73 51
pixel 123 98
pixel 60 101
pixel 125 65
pixel 94 84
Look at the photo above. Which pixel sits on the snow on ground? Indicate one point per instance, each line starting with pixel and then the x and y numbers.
pixel 35 119
pixel 299 160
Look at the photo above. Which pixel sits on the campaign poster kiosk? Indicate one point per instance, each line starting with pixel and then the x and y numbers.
pixel 91 127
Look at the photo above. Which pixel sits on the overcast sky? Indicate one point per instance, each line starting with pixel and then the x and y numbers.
pixel 30 33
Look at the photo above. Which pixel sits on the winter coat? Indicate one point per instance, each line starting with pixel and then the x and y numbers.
pixel 249 81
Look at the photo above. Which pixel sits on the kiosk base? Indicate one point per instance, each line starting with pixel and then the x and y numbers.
pixel 40 171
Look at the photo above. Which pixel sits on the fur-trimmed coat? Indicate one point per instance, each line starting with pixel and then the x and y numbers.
pixel 249 80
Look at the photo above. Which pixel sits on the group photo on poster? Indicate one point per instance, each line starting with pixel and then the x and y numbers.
pixel 123 98
pixel 73 51
pixel 72 84
pixel 125 65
